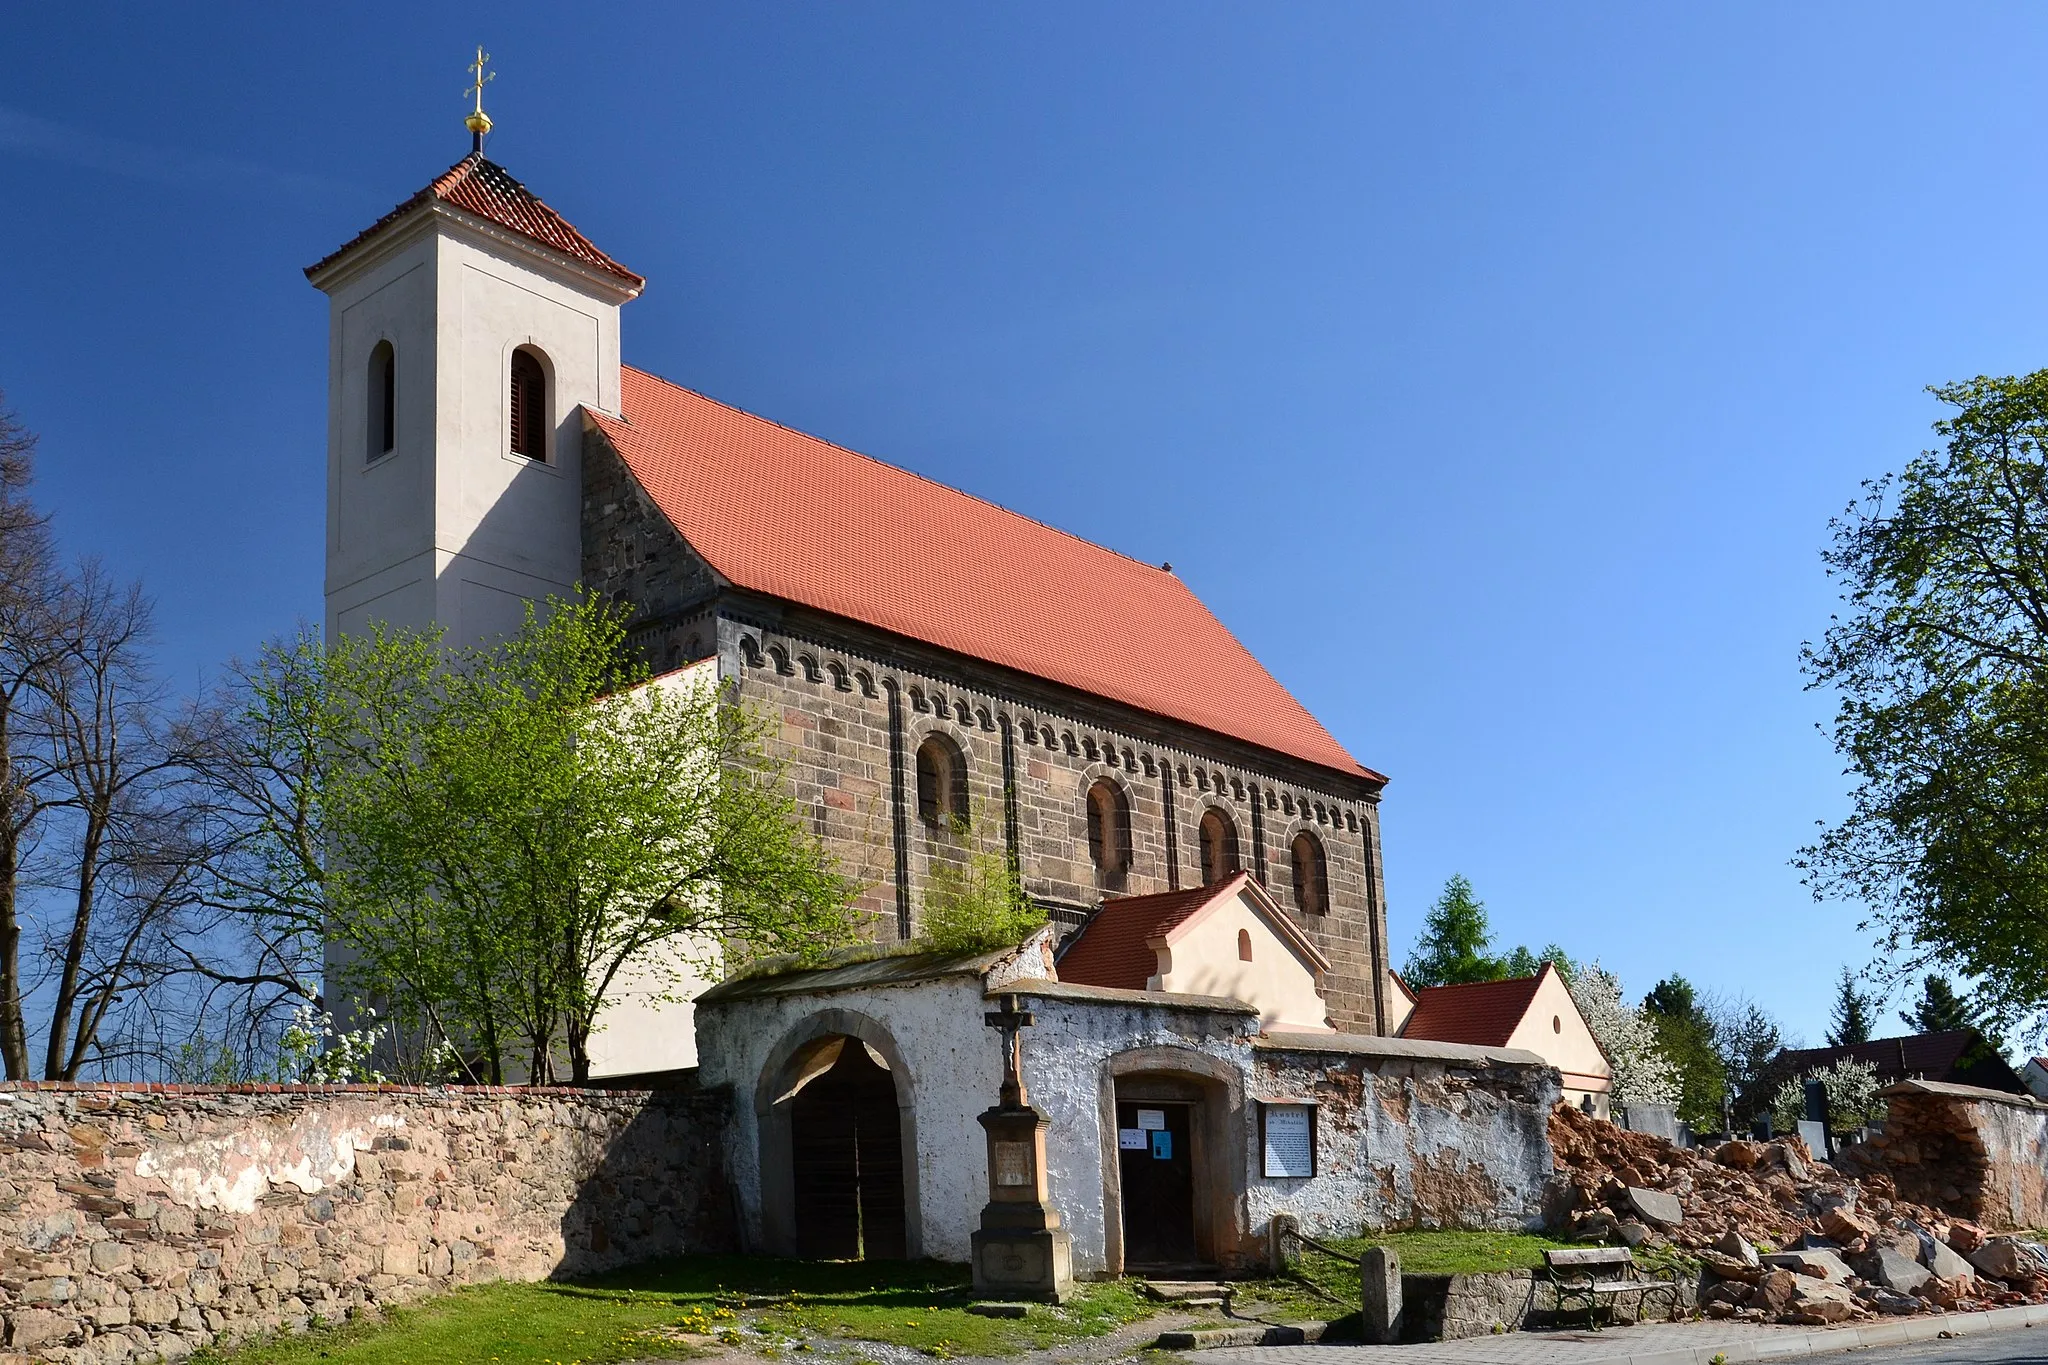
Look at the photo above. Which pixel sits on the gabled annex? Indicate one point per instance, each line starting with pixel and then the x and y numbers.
pixel 1230 939
pixel 1531 1013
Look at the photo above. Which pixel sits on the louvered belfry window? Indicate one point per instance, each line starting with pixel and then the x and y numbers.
pixel 383 427
pixel 529 406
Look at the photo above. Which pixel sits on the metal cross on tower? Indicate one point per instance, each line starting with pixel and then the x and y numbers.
pixel 478 122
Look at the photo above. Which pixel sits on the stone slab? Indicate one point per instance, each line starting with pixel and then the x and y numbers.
pixel 1816 1261
pixel 1661 1209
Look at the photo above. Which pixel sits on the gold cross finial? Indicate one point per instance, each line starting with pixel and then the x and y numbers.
pixel 478 122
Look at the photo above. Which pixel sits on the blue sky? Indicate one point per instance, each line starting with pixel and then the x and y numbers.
pixel 1492 371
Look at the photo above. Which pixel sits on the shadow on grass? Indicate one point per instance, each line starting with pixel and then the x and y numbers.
pixel 711 1278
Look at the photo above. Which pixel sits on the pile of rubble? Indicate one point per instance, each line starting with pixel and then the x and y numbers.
pixel 1782 1237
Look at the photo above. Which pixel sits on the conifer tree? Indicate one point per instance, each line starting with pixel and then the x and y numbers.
pixel 1940 1009
pixel 1851 1020
pixel 1455 937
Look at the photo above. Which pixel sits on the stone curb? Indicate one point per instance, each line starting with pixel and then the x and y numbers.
pixel 1775 1347
pixel 1252 1334
pixel 1823 1340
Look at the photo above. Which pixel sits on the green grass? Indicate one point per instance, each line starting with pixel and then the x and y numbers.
pixel 670 1309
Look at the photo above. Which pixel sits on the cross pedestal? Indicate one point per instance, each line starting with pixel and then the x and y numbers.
pixel 1020 1251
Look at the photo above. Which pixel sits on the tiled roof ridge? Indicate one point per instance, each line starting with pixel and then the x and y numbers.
pixel 1495 984
pixel 990 503
pixel 1894 1039
pixel 1485 1012
pixel 1113 945
pixel 768 506
pixel 478 167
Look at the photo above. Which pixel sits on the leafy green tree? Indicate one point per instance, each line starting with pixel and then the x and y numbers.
pixel 1746 1039
pixel 1685 1032
pixel 976 905
pixel 1939 663
pixel 498 839
pixel 1851 1020
pixel 1455 937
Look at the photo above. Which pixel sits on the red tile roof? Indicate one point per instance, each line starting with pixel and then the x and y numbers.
pixel 1483 1013
pixel 1959 1055
pixel 800 519
pixel 1110 948
pixel 487 190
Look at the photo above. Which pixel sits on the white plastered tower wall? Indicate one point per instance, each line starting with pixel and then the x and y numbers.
pixel 451 528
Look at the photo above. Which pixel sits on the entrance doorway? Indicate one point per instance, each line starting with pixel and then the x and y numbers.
pixel 846 1154
pixel 1155 1160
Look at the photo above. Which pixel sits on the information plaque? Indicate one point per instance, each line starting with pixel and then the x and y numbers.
pixel 1013 1163
pixel 1288 1134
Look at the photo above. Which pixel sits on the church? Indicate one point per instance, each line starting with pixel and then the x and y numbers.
pixel 945 675
pixel 943 680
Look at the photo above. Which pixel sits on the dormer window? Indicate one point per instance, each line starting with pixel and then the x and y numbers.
pixel 529 404
pixel 383 393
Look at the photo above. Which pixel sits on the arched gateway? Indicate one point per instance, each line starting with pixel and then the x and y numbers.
pixel 838 1143
pixel 846 1159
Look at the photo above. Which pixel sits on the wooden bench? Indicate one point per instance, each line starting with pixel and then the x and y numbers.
pixel 1596 1275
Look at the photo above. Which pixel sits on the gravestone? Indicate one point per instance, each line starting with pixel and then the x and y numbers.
pixel 1659 1120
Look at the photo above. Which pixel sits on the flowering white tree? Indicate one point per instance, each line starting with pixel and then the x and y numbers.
pixel 1851 1089
pixel 1642 1073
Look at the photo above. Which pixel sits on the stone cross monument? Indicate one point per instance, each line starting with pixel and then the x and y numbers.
pixel 1021 1251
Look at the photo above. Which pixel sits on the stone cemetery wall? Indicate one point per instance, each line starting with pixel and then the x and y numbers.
pixel 1978 1154
pixel 143 1219
pixel 1409 1134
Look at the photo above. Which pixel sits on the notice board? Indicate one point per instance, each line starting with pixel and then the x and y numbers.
pixel 1287 1138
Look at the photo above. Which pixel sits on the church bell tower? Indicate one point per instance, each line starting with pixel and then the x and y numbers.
pixel 467 328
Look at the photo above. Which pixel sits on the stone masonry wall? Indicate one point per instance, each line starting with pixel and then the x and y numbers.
pixel 1409 1135
pixel 1978 1154
pixel 851 706
pixel 139 1220
pixel 1029 767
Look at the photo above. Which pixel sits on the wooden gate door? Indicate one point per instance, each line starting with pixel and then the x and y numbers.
pixel 1158 1174
pixel 846 1147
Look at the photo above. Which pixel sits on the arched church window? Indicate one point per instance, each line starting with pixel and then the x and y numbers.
pixel 1244 945
pixel 529 411
pixel 1311 876
pixel 1218 836
pixel 1109 832
pixel 383 424
pixel 941 783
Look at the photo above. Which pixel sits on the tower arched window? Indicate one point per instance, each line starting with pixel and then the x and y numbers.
pixel 1311 875
pixel 529 404
pixel 941 783
pixel 1109 833
pixel 382 427
pixel 1218 837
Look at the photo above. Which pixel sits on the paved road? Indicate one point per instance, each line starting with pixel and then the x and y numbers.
pixel 1993 1348
pixel 1997 1337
